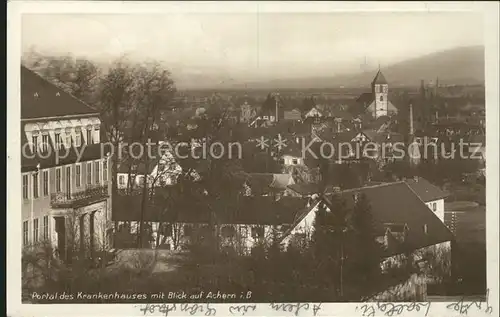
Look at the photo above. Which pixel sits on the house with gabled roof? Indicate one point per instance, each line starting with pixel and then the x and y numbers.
pixel 430 194
pixel 402 221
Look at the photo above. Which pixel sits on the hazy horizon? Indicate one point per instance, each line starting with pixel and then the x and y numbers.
pixel 248 47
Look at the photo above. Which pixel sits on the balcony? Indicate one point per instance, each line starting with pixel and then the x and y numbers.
pixel 90 194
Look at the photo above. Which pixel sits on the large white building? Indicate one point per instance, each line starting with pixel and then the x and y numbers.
pixel 65 177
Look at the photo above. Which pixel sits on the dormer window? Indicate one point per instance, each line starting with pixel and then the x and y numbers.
pixel 89 135
pixel 96 138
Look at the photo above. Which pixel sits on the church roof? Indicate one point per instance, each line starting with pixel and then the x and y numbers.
pixel 379 79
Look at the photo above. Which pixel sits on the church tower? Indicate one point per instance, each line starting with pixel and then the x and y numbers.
pixel 380 90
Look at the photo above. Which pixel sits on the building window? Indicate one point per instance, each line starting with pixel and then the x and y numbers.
pixel 25 233
pixel 45 230
pixel 161 167
pixel 105 171
pixel 97 175
pixel 58 180
pixel 35 230
pixel 68 141
pixel 163 182
pixel 34 140
pixel 45 176
pixel 381 98
pixel 89 136
pixel 141 180
pixel 78 173
pixel 187 230
pixel 294 161
pixel 89 173
pixel 58 140
pixel 78 139
pixel 121 180
pixel 45 143
pixel 167 230
pixel 96 135
pixel 257 232
pixel 228 232
pixel 25 186
pixel 35 185
pixel 434 207
pixel 425 228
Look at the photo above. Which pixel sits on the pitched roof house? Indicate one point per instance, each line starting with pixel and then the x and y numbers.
pixel 394 206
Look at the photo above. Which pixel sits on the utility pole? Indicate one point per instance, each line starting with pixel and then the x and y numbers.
pixel 343 230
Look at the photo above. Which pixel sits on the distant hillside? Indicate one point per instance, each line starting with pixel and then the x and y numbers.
pixel 459 66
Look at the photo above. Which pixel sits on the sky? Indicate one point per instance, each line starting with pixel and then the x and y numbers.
pixel 250 46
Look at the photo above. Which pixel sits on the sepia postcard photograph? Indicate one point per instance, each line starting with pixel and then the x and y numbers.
pixel 252 158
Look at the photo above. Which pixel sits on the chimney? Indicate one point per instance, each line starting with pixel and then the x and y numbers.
pixel 422 88
pixel 411 119
pixel 415 178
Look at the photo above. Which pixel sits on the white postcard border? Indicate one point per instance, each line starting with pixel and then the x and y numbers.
pixel 16 8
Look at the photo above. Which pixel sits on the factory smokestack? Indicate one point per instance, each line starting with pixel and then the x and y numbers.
pixel 411 119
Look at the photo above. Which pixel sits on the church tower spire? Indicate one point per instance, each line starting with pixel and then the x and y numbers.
pixel 380 90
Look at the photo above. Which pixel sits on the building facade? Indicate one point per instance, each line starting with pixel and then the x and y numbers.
pixel 66 179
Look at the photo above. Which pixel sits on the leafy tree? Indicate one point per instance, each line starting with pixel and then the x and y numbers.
pixel 365 251
pixel 330 227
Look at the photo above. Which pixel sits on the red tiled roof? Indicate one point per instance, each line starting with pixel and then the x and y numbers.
pixel 41 99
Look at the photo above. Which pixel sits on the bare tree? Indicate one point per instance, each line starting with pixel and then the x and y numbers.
pixel 75 75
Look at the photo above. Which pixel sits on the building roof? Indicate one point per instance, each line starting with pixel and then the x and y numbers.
pixel 42 99
pixel 263 183
pixel 397 203
pixel 292 115
pixel 305 189
pixel 256 210
pixel 281 181
pixel 425 190
pixel 379 79
pixel 365 98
